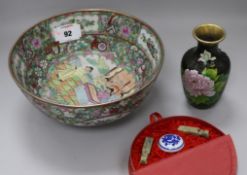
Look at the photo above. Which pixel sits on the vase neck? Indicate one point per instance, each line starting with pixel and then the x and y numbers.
pixel 211 48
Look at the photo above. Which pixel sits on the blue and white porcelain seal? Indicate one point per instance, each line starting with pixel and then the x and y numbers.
pixel 171 143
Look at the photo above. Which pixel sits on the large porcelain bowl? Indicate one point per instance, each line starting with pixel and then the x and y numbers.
pixel 87 67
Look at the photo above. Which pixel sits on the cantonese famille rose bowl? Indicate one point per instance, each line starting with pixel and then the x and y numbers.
pixel 87 67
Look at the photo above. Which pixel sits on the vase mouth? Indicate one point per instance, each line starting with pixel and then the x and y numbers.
pixel 209 34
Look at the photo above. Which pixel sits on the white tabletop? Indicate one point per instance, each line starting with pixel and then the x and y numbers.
pixel 32 143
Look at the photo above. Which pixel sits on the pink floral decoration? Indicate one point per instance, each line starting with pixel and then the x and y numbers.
pixel 108 55
pixel 139 61
pixel 125 30
pixel 103 95
pixel 87 52
pixel 197 84
pixel 36 42
pixel 141 69
pixel 102 46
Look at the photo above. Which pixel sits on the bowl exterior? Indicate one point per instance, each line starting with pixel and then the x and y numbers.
pixel 90 116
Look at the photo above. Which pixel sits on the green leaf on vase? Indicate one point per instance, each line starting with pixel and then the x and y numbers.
pixel 202 99
pixel 211 73
pixel 220 83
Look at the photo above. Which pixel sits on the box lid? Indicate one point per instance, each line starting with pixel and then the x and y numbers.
pixel 214 155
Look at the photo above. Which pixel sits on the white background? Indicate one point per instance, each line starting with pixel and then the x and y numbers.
pixel 32 144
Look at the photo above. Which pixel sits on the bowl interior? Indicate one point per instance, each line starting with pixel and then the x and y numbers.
pixel 86 57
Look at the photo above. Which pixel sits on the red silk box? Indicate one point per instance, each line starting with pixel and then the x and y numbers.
pixel 215 155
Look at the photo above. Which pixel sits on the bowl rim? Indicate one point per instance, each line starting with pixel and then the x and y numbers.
pixel 51 102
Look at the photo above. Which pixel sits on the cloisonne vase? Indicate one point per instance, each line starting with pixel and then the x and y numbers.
pixel 205 69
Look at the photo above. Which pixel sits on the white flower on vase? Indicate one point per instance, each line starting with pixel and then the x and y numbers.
pixel 205 57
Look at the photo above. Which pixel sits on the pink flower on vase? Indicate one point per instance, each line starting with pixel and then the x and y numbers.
pixel 36 42
pixel 196 84
pixel 125 30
